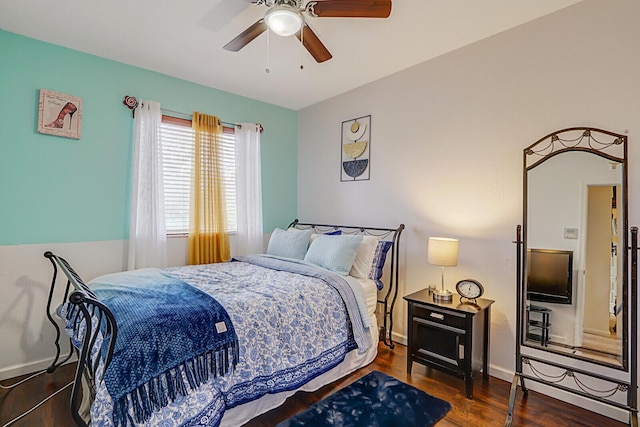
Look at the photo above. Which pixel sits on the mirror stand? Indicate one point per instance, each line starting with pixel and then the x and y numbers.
pixel 576 271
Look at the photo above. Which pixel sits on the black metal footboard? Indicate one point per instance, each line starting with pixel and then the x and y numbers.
pixel 89 315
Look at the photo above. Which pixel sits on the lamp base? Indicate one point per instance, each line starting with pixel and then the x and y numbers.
pixel 442 295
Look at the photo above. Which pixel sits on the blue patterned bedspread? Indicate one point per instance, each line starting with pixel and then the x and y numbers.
pixel 292 325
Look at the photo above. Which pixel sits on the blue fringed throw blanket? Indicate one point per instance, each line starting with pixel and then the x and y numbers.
pixel 166 328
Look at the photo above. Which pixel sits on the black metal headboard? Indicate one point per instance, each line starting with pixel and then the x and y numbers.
pixel 389 234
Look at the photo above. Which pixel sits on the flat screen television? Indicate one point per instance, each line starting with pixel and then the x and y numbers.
pixel 549 275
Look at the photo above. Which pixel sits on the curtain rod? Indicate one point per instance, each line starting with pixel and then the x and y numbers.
pixel 131 102
pixel 190 116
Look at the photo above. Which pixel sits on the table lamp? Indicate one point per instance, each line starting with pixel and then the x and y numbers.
pixel 442 251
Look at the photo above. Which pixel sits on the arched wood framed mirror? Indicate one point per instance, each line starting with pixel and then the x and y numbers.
pixel 576 310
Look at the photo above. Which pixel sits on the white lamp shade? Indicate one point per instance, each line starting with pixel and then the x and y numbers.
pixel 283 20
pixel 442 251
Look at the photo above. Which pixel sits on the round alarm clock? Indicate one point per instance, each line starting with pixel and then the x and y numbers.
pixel 469 289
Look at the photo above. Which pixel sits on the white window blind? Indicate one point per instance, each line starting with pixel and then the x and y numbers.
pixel 177 156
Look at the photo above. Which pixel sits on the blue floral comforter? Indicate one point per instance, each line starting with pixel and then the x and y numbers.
pixel 294 322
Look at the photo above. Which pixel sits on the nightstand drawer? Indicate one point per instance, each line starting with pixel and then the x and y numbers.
pixel 440 316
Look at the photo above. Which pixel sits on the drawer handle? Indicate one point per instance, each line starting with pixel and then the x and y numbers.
pixel 437 315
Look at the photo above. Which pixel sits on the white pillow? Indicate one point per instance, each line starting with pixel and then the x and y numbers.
pixel 361 267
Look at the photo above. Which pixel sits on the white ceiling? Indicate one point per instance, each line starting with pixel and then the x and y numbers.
pixel 184 39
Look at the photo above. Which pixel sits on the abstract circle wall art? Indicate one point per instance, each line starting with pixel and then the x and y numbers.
pixel 355 149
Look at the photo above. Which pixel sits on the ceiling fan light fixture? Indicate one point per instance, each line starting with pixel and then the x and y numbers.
pixel 284 20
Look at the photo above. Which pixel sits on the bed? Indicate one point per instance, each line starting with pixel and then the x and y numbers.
pixel 219 344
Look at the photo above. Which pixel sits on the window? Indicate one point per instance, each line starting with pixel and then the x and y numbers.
pixel 177 157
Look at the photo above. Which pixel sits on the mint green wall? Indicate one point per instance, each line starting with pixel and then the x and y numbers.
pixel 55 189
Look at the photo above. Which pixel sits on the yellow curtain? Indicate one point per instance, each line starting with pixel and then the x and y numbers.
pixel 208 238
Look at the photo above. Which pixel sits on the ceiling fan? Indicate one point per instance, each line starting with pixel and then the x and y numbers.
pixel 286 18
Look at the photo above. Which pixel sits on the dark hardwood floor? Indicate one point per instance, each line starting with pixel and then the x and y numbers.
pixel 488 408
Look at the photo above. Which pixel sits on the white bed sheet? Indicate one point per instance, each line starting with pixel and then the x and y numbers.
pixel 239 415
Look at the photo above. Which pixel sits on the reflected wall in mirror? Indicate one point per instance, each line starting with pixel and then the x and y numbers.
pixel 574 236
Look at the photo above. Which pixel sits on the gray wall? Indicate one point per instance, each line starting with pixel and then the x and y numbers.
pixel 446 145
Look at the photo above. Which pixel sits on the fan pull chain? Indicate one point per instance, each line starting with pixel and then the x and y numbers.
pixel 301 45
pixel 267 69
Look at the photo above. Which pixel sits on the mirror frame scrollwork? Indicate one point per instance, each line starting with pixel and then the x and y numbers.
pixel 611 146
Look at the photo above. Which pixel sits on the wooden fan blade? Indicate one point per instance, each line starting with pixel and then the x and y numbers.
pixel 350 8
pixel 245 37
pixel 313 44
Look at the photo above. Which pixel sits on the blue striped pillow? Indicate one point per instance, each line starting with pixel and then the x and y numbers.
pixel 378 262
pixel 334 252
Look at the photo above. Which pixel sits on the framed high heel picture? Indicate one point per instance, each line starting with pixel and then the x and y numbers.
pixel 59 114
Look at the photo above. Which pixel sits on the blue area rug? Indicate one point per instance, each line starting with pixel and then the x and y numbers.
pixel 375 400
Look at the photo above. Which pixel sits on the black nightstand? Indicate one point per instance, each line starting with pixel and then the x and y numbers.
pixel 449 336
